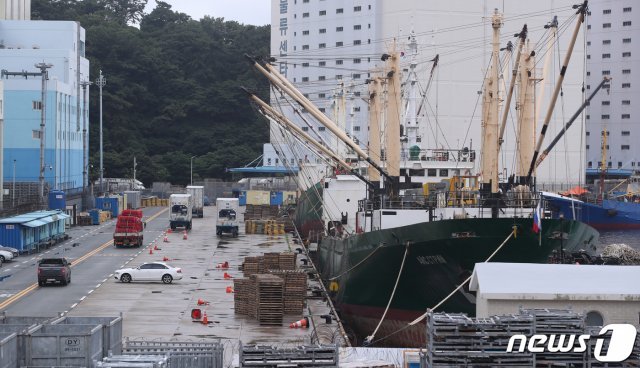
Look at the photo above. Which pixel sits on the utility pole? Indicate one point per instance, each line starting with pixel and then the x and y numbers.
pixel 85 176
pixel 1 144
pixel 101 82
pixel 13 190
pixel 134 172
pixel 43 115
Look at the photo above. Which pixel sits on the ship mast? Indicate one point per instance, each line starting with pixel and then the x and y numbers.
pixel 339 116
pixel 490 113
pixel 374 125
pixel 392 127
pixel 526 107
pixel 411 125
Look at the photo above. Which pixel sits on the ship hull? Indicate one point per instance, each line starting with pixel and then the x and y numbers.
pixel 611 215
pixel 438 259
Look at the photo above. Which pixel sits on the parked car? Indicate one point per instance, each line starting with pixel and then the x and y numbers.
pixel 13 251
pixel 152 271
pixel 54 270
pixel 5 255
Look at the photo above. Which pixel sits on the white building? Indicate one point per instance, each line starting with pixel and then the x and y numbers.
pixel 605 294
pixel 614 29
pixel 329 48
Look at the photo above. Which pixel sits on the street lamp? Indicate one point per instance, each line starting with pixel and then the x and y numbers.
pixel 101 82
pixel 192 157
pixel 45 76
pixel 13 190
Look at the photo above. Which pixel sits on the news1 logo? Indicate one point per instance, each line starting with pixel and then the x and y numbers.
pixel 621 342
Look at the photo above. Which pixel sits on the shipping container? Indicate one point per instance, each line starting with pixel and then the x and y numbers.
pixel 197 196
pixel 111 204
pixel 276 198
pixel 95 216
pixel 57 200
pixel 134 199
pixel 64 345
pixel 258 197
pixel 111 331
pixel 243 198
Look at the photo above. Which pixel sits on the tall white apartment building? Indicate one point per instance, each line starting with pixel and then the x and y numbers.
pixel 614 29
pixel 329 48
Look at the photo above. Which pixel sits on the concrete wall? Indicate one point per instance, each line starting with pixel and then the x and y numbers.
pixel 612 311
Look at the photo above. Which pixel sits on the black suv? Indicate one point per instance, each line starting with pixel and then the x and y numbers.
pixel 54 270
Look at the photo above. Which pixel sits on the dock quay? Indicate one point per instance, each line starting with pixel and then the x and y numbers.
pixel 159 311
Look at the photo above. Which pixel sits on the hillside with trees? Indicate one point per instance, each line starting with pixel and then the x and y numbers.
pixel 173 88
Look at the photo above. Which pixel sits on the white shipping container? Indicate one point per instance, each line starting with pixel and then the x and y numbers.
pixel 197 195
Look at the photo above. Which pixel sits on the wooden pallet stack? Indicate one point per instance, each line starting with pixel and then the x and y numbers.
pixel 84 219
pixel 260 212
pixel 271 261
pixel 252 266
pixel 287 261
pixel 457 340
pixel 243 294
pixel 295 290
pixel 269 299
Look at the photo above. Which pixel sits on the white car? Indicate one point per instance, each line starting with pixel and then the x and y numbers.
pixel 152 271
pixel 5 256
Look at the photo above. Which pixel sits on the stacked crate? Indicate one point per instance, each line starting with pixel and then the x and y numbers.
pixel 557 322
pixel 269 299
pixel 259 212
pixel 252 266
pixel 457 340
pixel 243 293
pixel 287 261
pixel 295 289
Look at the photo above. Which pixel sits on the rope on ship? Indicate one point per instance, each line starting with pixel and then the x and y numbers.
pixel 356 265
pixel 404 257
pixel 417 320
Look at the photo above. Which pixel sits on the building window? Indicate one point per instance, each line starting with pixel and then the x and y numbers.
pixel 322 95
pixel 626 133
pixel 322 45
pixel 626 71
pixel 590 164
pixel 606 56
pixel 322 63
pixel 588 26
pixel 444 173
pixel 305 129
pixel 587 146
pixel 322 30
pixel 626 102
pixel 588 43
pixel 356 61
pixel 356 109
pixel 321 78
pixel 588 56
pixel 626 54
pixel 305 33
pixel 323 12
pixel 322 129
pixel 35 134
pixel 604 116
pixel 356 93
pixel 626 23
pixel 304 65
pixel 432 172
pixel 608 163
pixel 624 147
pixel 339 43
pixel 356 128
pixel 339 29
pixel 338 76
pixel 626 116
pixel 357 42
pixel 588 74
pixel 356 76
pixel 602 133
pixel 606 42
pixel 305 15
pixel 339 11
pixel 626 10
pixel 606 72
pixel 626 40
pixel 606 25
pixel 305 79
pixel 306 95
pixel 305 47
pixel 339 62
pixel 357 8
pixel 36 105
pixel 626 85
pixel 357 27
pixel 606 11
pixel 588 134
pixel 321 109
pixel 606 103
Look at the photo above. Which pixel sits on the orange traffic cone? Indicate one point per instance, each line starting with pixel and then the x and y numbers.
pixel 184 235
pixel 150 250
pixel 202 302
pixel 155 247
pixel 225 265
pixel 227 276
pixel 303 323
pixel 165 239
pixel 205 319
pixel 229 290
pixel 166 259
pixel 169 231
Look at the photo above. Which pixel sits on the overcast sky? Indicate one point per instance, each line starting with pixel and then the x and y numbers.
pixel 256 12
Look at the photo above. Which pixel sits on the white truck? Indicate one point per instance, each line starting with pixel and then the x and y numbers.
pixel 227 221
pixel 180 206
pixel 197 195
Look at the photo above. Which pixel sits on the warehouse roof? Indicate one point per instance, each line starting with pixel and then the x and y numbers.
pixel 553 281
pixel 35 219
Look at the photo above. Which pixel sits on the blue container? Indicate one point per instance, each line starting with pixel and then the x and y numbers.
pixel 108 204
pixel 95 217
pixel 276 198
pixel 57 200
pixel 11 236
pixel 242 198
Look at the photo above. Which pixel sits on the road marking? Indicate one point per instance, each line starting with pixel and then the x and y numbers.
pixel 105 280
pixel 25 262
pixel 34 286
pixel 16 266
pixel 74 305
pixel 81 299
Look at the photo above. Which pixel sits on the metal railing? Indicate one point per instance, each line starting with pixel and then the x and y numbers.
pixel 445 199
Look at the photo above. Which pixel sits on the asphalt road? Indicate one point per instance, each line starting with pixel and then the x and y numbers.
pixel 93 257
